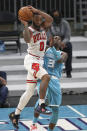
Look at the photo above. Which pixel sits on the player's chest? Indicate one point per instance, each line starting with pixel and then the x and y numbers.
pixel 38 37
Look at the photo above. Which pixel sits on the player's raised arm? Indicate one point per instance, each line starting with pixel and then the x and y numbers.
pixel 47 18
pixel 26 33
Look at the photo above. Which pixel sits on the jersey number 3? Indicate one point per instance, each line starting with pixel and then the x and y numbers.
pixel 51 63
pixel 41 46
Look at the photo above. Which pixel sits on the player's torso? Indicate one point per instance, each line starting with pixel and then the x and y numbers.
pixel 37 43
pixel 51 65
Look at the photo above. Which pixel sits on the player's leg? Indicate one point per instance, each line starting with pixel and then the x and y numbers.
pixel 55 99
pixel 33 127
pixel 55 92
pixel 54 118
pixel 31 84
pixel 14 116
pixel 25 97
pixel 43 88
pixel 45 78
pixel 40 73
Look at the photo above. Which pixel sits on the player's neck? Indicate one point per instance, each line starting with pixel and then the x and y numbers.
pixel 56 47
pixel 35 27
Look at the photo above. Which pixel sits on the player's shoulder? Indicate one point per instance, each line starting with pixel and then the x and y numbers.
pixel 48 50
pixel 31 29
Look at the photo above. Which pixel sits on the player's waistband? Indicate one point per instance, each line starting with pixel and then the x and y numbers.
pixel 54 77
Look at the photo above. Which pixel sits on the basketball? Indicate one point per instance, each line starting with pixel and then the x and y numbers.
pixel 25 14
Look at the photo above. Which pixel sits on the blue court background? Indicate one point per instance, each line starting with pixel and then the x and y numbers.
pixel 74 116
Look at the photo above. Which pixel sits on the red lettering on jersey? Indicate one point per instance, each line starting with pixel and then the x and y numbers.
pixel 34 38
pixel 39 36
pixel 41 46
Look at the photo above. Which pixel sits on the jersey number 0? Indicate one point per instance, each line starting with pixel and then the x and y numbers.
pixel 41 46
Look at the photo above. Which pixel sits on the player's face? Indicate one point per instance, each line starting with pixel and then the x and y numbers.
pixel 37 21
pixel 57 41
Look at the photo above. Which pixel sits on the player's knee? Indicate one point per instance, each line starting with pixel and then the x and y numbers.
pixel 28 94
pixel 46 77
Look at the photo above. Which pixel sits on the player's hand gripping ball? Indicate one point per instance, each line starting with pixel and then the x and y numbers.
pixel 25 14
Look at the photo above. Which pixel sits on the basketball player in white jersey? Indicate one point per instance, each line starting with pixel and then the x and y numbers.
pixel 35 37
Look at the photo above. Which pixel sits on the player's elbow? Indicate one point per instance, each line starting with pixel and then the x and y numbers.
pixel 48 22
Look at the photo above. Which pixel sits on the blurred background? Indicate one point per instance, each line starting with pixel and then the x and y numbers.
pixel 75 11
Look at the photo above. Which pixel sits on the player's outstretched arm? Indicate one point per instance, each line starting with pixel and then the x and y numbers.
pixel 26 33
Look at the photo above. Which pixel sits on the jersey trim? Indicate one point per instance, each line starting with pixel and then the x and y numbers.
pixel 31 81
pixel 34 55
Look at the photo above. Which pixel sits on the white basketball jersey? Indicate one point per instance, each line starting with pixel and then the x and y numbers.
pixel 37 43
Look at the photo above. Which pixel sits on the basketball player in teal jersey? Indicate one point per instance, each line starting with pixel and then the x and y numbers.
pixel 53 63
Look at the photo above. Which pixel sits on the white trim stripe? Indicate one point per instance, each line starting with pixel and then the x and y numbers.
pixel 66 125
pixel 73 109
